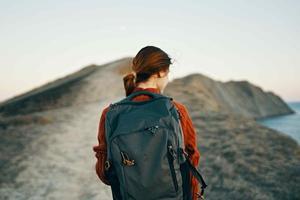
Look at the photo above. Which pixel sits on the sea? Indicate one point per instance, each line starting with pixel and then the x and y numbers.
pixel 288 124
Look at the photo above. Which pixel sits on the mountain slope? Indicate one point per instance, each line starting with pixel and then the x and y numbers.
pixel 80 87
pixel 47 135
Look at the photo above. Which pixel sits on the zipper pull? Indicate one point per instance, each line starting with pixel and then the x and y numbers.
pixel 153 129
pixel 126 160
pixel 172 152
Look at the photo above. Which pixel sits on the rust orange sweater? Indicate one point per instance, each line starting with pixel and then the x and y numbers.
pixel 189 134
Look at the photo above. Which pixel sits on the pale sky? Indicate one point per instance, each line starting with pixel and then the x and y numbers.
pixel 255 40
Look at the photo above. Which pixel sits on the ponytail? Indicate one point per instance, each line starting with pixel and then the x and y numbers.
pixel 148 61
pixel 129 83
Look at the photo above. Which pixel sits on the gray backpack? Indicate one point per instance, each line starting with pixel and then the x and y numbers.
pixel 145 156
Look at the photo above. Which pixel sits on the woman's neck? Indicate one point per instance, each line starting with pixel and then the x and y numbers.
pixel 146 85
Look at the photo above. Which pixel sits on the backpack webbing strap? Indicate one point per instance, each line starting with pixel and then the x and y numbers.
pixel 196 174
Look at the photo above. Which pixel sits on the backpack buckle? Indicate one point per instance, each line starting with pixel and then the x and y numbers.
pixel 179 114
pixel 199 196
pixel 107 165
pixel 172 152
pixel 112 105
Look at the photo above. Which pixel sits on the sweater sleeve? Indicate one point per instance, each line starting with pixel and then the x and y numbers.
pixel 190 142
pixel 100 149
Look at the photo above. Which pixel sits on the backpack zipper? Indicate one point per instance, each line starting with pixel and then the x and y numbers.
pixel 152 129
pixel 171 158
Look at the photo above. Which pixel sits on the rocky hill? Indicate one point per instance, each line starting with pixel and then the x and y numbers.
pixel 47 134
pixel 233 97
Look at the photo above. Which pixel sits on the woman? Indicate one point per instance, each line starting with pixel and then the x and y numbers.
pixel 150 72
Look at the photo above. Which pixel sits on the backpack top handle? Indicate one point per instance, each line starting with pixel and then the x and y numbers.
pixel 154 96
pixel 134 94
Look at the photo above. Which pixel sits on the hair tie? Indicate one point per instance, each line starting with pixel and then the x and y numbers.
pixel 133 73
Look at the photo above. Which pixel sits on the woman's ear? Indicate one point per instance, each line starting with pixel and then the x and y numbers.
pixel 162 74
pixel 158 74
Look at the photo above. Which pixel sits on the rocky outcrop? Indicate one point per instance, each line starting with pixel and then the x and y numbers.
pixel 233 97
pixel 47 134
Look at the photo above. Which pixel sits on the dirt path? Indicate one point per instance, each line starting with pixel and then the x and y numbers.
pixel 60 163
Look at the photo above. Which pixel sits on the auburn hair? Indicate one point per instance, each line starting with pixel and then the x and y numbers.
pixel 148 61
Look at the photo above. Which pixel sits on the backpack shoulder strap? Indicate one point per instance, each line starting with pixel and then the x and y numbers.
pixel 181 139
pixel 191 168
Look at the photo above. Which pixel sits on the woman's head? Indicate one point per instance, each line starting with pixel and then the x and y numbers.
pixel 150 67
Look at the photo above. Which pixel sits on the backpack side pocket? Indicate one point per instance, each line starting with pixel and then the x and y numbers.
pixel 111 175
